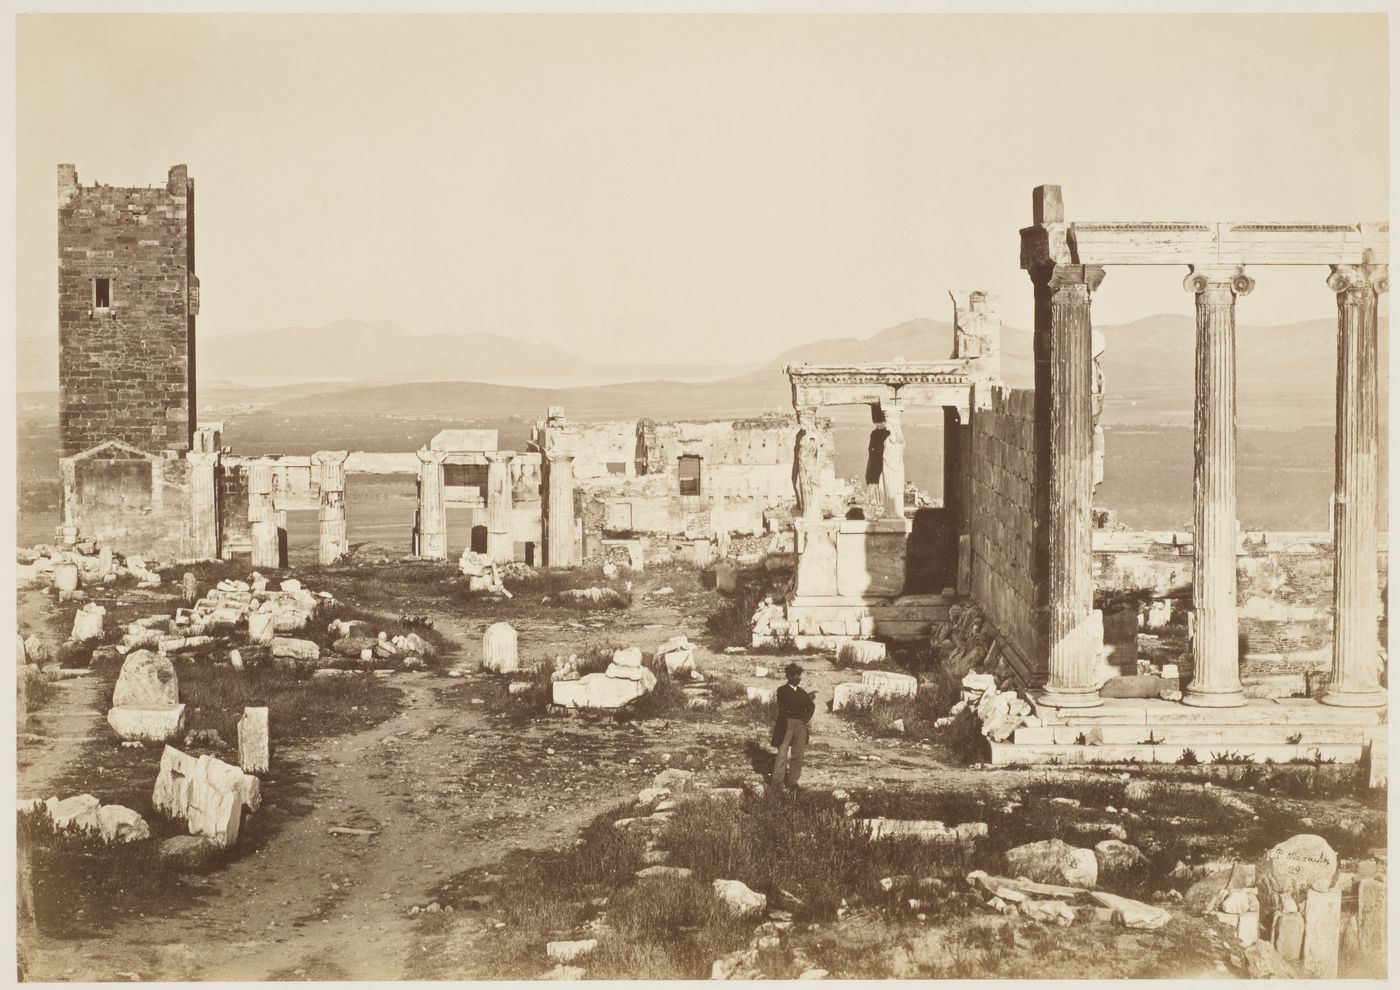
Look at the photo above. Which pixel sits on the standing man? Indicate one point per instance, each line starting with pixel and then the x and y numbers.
pixel 795 709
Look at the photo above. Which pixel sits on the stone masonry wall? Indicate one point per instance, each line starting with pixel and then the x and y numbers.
pixel 126 371
pixel 1002 524
pixel 138 505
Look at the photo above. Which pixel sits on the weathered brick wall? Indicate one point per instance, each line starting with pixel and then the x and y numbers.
pixel 126 372
pixel 1002 523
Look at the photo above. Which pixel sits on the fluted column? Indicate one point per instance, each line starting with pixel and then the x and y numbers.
pixel 204 504
pixel 334 541
pixel 892 459
pixel 1355 597
pixel 559 511
pixel 1064 457
pixel 1216 682
pixel 499 506
pixel 432 505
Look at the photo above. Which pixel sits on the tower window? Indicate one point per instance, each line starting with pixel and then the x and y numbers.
pixel 689 471
pixel 102 293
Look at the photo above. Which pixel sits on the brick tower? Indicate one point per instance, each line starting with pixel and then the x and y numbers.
pixel 127 299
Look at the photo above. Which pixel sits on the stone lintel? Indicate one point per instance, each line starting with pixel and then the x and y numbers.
pixel 1224 243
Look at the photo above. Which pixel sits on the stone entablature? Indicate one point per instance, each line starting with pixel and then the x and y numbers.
pixel 941 383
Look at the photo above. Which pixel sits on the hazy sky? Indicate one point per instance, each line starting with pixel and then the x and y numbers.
pixel 711 188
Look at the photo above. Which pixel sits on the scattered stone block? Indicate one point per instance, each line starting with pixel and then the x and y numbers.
pixel 663 873
pixel 1053 861
pixel 1288 935
pixel 1130 913
pixel 861 652
pixel 253 754
pixel 207 793
pixel 88 622
pixel 261 627
pixel 1322 919
pixel 563 952
pixel 65 576
pixel 147 724
pixel 1264 962
pixel 77 813
pixel 500 648
pixel 1119 859
pixel 726 577
pixel 739 899
pixel 119 824
pixel 674 780
pixel 190 851
pixel 630 657
pixel 1371 920
pixel 147 680
pixel 601 691
pixel 295 649
pixel 1052 912
pixel 678 654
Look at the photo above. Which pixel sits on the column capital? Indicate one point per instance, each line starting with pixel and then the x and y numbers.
pixel 203 458
pixel 806 417
pixel 330 456
pixel 1343 278
pixel 1205 277
pixel 500 456
pixel 1059 276
pixel 891 407
pixel 427 455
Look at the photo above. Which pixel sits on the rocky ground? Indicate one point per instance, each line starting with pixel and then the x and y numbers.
pixel 446 780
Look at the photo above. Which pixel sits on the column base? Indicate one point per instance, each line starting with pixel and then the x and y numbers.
pixel 1354 699
pixel 1068 697
pixel 1226 698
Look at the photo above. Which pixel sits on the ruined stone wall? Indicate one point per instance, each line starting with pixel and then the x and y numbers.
pixel 605 449
pixel 1002 524
pixel 139 505
pixel 236 531
pixel 126 370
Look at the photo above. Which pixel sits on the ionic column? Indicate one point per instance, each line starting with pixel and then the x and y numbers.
pixel 499 505
pixel 1355 597
pixel 1064 456
pixel 559 510
pixel 204 504
pixel 334 541
pixel 806 465
pixel 1216 682
pixel 892 459
pixel 432 505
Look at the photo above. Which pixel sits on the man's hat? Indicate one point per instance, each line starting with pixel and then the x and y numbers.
pixel 792 668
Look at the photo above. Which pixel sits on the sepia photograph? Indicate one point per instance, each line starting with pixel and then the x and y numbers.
pixel 804 491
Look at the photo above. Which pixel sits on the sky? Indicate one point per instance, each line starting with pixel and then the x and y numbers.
pixel 711 188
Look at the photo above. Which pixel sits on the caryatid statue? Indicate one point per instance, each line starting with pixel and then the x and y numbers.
pixel 892 460
pixel 807 465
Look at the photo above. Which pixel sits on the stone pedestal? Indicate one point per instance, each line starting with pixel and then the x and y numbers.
pixel 892 460
pixel 334 542
pixel 1216 683
pixel 1064 462
pixel 559 511
pixel 204 505
pixel 431 537
pixel 499 506
pixel 1355 597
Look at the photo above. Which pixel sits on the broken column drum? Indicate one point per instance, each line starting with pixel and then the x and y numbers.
pixel 499 506
pixel 432 505
pixel 334 541
pixel 1064 453
pixel 1355 596
pixel 1216 683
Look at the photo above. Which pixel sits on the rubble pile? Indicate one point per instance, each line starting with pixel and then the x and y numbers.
pixel 66 570
pixel 1294 912
pixel 626 679
pixel 83 813
pixel 873 684
pixel 482 574
pixel 209 794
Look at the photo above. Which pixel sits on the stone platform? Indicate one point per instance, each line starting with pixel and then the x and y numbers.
pixel 827 622
pixel 1126 730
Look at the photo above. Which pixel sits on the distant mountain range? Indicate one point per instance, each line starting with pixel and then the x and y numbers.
pixel 1286 374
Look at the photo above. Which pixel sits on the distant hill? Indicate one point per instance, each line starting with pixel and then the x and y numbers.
pixel 1286 374
pixel 372 351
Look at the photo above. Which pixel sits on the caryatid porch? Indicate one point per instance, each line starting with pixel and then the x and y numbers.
pixel 1066 263
pixel 853 576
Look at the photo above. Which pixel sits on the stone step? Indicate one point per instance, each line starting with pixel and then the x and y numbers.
pixel 1117 735
pixel 1152 711
pixel 1007 754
